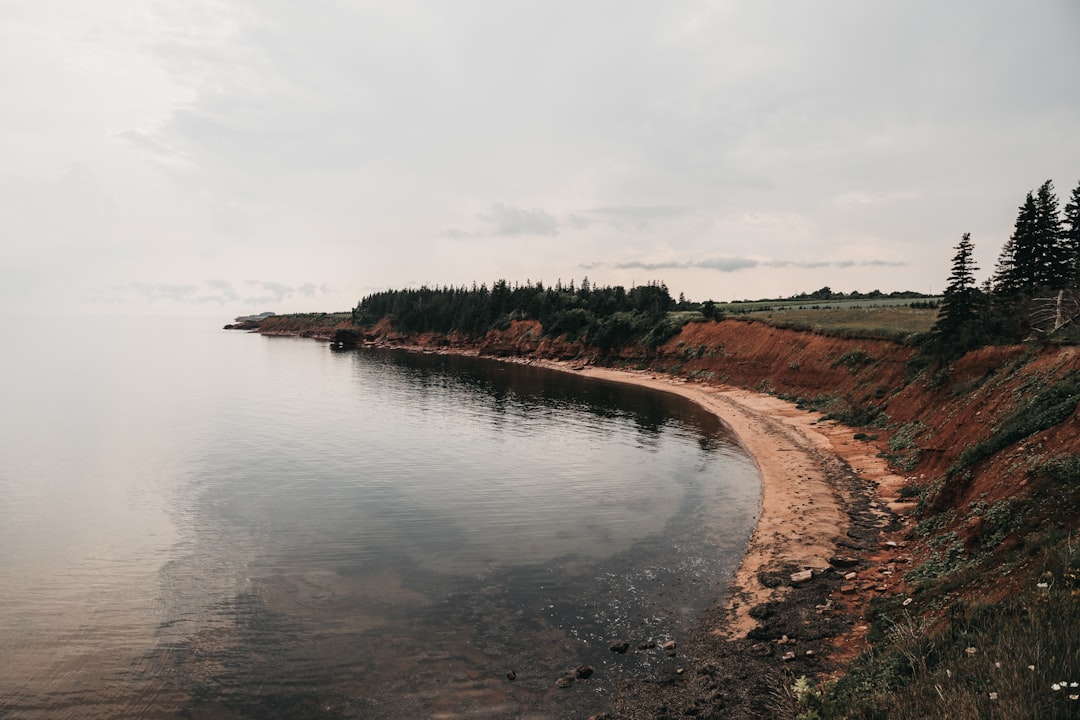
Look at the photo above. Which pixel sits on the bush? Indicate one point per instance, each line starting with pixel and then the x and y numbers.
pixel 853 360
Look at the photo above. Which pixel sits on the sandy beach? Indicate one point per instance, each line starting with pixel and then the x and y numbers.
pixel 803 515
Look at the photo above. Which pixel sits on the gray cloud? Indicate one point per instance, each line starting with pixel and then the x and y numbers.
pixel 163 291
pixel 508 220
pixel 636 217
pixel 456 233
pixel 153 145
pixel 215 292
pixel 725 264
pixel 735 264
pixel 688 135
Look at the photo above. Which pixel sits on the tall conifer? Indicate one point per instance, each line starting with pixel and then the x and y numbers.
pixel 1018 256
pixel 1070 232
pixel 1055 270
pixel 957 327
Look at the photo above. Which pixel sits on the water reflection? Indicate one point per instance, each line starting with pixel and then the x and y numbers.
pixel 370 534
pixel 529 388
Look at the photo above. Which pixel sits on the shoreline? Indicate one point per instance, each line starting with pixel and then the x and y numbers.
pixel 827 501
pixel 802 521
pixel 815 558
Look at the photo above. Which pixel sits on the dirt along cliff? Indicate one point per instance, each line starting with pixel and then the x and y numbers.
pixel 953 488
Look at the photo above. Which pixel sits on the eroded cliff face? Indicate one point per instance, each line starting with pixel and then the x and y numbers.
pixel 922 419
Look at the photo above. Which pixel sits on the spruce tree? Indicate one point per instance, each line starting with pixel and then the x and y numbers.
pixel 957 327
pixel 1016 269
pixel 1054 272
pixel 1070 233
pixel 1003 282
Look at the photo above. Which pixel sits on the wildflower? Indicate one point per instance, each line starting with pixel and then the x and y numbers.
pixel 1072 684
pixel 1031 667
pixel 993 696
pixel 1074 697
pixel 1055 687
pixel 971 650
pixel 997 665
pixel 1042 585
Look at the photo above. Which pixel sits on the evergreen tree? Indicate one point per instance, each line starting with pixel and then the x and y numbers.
pixel 1070 232
pixel 1015 268
pixel 1054 271
pixel 957 327
pixel 1039 254
pixel 1003 280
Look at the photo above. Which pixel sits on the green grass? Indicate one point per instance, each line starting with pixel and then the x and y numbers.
pixel 306 322
pixel 983 660
pixel 890 323
pixel 1048 407
pixel 897 321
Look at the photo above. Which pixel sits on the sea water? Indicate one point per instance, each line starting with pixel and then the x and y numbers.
pixel 198 523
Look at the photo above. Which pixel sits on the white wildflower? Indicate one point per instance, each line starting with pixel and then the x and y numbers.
pixel 1055 687
pixel 993 696
pixel 1074 697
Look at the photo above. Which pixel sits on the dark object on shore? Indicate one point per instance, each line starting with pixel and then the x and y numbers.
pixel 346 339
pixel 565 681
pixel 511 675
pixel 619 646
pixel 584 672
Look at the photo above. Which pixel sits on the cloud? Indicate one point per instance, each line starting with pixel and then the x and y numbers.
pixel 736 139
pixel 163 291
pixel 508 220
pixel 735 264
pixel 215 291
pixel 224 290
pixel 637 217
pixel 153 145
pixel 456 233
pixel 726 264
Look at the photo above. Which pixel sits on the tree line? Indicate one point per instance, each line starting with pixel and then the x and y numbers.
pixel 1034 289
pixel 602 316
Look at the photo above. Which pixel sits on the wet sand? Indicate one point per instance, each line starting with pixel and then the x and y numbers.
pixel 804 517
pixel 827 500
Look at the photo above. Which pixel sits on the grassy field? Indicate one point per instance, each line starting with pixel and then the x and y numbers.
pixel 889 319
pixel 897 321
pixel 749 306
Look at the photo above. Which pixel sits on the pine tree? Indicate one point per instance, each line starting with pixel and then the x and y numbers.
pixel 957 326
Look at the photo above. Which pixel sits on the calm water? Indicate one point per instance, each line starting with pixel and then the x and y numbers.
pixel 196 523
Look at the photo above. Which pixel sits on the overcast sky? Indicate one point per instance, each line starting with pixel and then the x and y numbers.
pixel 233 156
